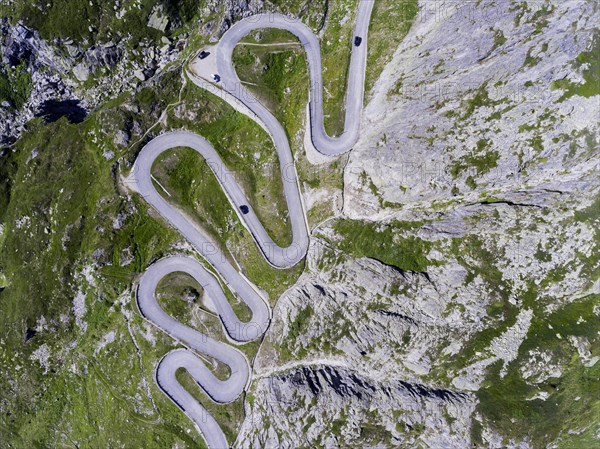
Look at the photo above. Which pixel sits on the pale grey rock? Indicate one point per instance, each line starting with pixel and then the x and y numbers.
pixel 121 138
pixel 158 19
pixel 416 128
pixel 542 366
pixel 299 406
pixel 139 74
pixel 73 50
pixel 385 325
pixel 81 71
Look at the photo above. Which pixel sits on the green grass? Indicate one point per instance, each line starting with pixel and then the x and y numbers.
pixel 182 297
pixel 300 322
pixel 480 261
pixel 482 163
pixel 271 71
pixel 178 294
pixel 248 153
pixel 103 404
pixel 390 23
pixel 335 55
pixel 480 99
pixel 322 344
pixel 590 214
pixel 499 38
pixel 479 159
pixel 385 243
pixel 277 76
pixel 69 193
pixel 191 183
pixel 286 351
pixel 229 416
pixel 530 61
pixel 8 169
pixel 208 205
pixel 503 401
pixel 312 13
pixel 15 85
pixel 589 63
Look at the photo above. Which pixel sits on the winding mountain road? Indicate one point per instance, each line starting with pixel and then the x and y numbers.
pixel 224 391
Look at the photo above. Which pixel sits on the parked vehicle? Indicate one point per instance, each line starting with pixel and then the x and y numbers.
pixel 203 54
pixel 357 41
pixel 245 209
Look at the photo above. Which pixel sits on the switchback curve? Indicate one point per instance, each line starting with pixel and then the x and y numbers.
pixel 229 390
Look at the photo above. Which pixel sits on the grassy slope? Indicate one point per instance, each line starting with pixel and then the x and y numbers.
pixel 574 397
pixel 15 85
pixel 73 18
pixel 390 23
pixel 573 401
pixel 69 193
pixel 388 244
pixel 246 150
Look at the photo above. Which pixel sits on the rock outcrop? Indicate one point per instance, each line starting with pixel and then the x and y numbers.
pixel 482 134
pixel 334 407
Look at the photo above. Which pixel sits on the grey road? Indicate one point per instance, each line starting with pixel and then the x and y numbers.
pixel 229 390
pixel 331 146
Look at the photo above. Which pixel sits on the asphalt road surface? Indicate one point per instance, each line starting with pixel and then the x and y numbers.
pixel 228 390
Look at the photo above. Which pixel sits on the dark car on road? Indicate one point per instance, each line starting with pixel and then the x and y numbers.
pixel 245 209
pixel 357 41
pixel 217 78
pixel 203 54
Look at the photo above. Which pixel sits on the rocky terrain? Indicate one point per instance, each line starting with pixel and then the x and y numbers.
pixel 471 136
pixel 451 294
pixel 80 75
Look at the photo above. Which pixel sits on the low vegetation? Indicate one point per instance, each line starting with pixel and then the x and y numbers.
pixel 69 232
pixel 570 403
pixel 71 246
pixel 84 21
pixel 589 64
pixel 387 243
pixel 15 85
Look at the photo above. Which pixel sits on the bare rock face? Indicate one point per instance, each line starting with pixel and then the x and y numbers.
pixel 21 43
pixel 472 102
pixel 359 360
pixel 384 324
pixel 360 410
